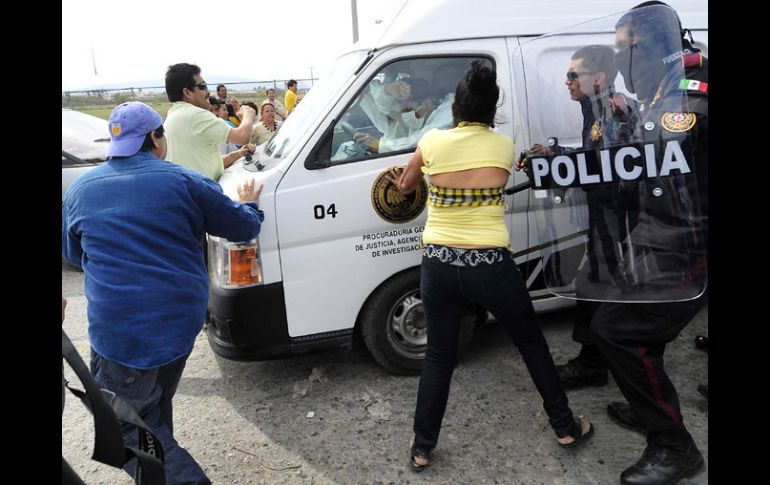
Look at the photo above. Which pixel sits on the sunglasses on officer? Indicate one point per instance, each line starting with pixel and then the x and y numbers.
pixel 573 75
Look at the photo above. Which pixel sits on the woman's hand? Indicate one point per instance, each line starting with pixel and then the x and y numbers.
pixel 394 176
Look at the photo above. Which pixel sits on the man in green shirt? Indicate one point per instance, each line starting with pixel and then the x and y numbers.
pixel 193 132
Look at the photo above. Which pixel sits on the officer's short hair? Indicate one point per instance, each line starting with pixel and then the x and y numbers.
pixel 598 58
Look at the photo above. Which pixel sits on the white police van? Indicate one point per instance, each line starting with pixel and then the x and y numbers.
pixel 339 252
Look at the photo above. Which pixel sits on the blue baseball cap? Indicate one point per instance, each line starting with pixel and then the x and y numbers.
pixel 129 124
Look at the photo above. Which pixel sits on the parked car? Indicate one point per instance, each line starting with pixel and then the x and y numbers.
pixel 84 141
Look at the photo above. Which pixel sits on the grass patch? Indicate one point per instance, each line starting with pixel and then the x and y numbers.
pixel 103 111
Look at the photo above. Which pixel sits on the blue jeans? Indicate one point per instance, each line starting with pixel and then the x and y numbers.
pixel 150 393
pixel 447 288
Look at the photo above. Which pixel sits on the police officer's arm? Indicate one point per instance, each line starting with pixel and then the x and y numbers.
pixel 523 162
pixel 406 179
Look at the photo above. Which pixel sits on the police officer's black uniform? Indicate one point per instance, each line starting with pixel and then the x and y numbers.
pixel 617 123
pixel 632 336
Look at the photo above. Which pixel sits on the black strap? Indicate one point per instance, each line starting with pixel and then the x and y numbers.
pixel 109 411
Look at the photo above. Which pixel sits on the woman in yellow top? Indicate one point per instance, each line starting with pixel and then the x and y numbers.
pixel 466 259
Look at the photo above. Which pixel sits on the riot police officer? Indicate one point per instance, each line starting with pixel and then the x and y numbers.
pixel 670 79
pixel 609 118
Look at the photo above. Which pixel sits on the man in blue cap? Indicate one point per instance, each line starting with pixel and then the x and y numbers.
pixel 134 224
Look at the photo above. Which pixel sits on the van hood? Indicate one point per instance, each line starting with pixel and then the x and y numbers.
pixel 243 170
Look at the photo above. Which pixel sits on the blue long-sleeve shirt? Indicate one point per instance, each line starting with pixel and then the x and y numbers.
pixel 135 226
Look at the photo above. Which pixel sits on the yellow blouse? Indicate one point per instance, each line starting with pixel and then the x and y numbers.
pixel 470 145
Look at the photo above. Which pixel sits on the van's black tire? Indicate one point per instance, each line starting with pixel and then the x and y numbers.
pixel 393 324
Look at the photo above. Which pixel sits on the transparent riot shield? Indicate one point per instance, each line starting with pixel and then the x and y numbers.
pixel 616 158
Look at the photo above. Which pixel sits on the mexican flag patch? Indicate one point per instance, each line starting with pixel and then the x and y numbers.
pixel 693 85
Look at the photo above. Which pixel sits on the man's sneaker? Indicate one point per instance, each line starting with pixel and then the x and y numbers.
pixel 621 414
pixel 663 466
pixel 578 373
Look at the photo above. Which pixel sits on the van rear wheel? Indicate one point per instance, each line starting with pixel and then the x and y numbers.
pixel 394 327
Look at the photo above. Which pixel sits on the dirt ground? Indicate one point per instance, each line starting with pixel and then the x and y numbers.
pixel 337 417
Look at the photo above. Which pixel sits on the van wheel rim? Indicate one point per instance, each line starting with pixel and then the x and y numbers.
pixel 407 328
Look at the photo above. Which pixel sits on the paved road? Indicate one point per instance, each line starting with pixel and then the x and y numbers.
pixel 246 423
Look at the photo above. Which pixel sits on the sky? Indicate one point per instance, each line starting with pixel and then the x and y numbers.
pixel 257 40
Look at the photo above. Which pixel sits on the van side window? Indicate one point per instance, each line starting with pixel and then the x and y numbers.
pixel 396 108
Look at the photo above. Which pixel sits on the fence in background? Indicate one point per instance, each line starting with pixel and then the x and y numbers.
pixel 75 99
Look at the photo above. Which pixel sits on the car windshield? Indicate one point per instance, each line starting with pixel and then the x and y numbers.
pixel 84 136
pixel 313 105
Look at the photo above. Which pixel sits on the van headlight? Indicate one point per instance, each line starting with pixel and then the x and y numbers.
pixel 234 265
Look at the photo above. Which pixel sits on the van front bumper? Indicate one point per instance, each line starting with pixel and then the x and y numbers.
pixel 249 324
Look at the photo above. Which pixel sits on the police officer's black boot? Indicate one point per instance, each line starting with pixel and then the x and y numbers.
pixel 587 369
pixel 661 465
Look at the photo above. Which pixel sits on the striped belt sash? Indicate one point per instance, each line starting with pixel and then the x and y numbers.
pixel 444 197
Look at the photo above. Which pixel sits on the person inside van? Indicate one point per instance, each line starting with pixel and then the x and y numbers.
pixel 435 110
pixel 407 117
pixel 467 259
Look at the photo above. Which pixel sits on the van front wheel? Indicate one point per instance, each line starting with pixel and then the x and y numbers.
pixel 394 327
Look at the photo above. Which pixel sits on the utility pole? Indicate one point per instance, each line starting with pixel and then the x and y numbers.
pixel 354 14
pixel 93 58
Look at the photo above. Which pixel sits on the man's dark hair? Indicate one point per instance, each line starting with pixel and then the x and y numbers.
pixel 477 94
pixel 598 58
pixel 178 77
pixel 221 86
pixel 215 101
pixel 270 89
pixel 291 83
pixel 148 145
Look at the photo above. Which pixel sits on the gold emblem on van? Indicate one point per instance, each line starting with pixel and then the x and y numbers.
pixel 677 122
pixel 393 206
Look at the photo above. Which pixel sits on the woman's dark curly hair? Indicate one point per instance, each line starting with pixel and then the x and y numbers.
pixel 477 94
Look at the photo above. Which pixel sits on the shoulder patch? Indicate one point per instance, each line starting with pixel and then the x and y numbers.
pixel 694 59
pixel 678 122
pixel 693 85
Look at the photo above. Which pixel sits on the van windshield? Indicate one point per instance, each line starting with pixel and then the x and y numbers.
pixel 313 105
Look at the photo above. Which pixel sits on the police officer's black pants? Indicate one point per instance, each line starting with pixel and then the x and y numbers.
pixel 632 338
pixel 581 333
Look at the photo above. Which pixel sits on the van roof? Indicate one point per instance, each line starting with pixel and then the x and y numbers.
pixel 431 21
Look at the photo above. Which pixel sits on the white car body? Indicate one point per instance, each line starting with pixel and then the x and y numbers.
pixel 84 141
pixel 319 278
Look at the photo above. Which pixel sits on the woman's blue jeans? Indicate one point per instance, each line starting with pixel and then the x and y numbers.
pixel 447 288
